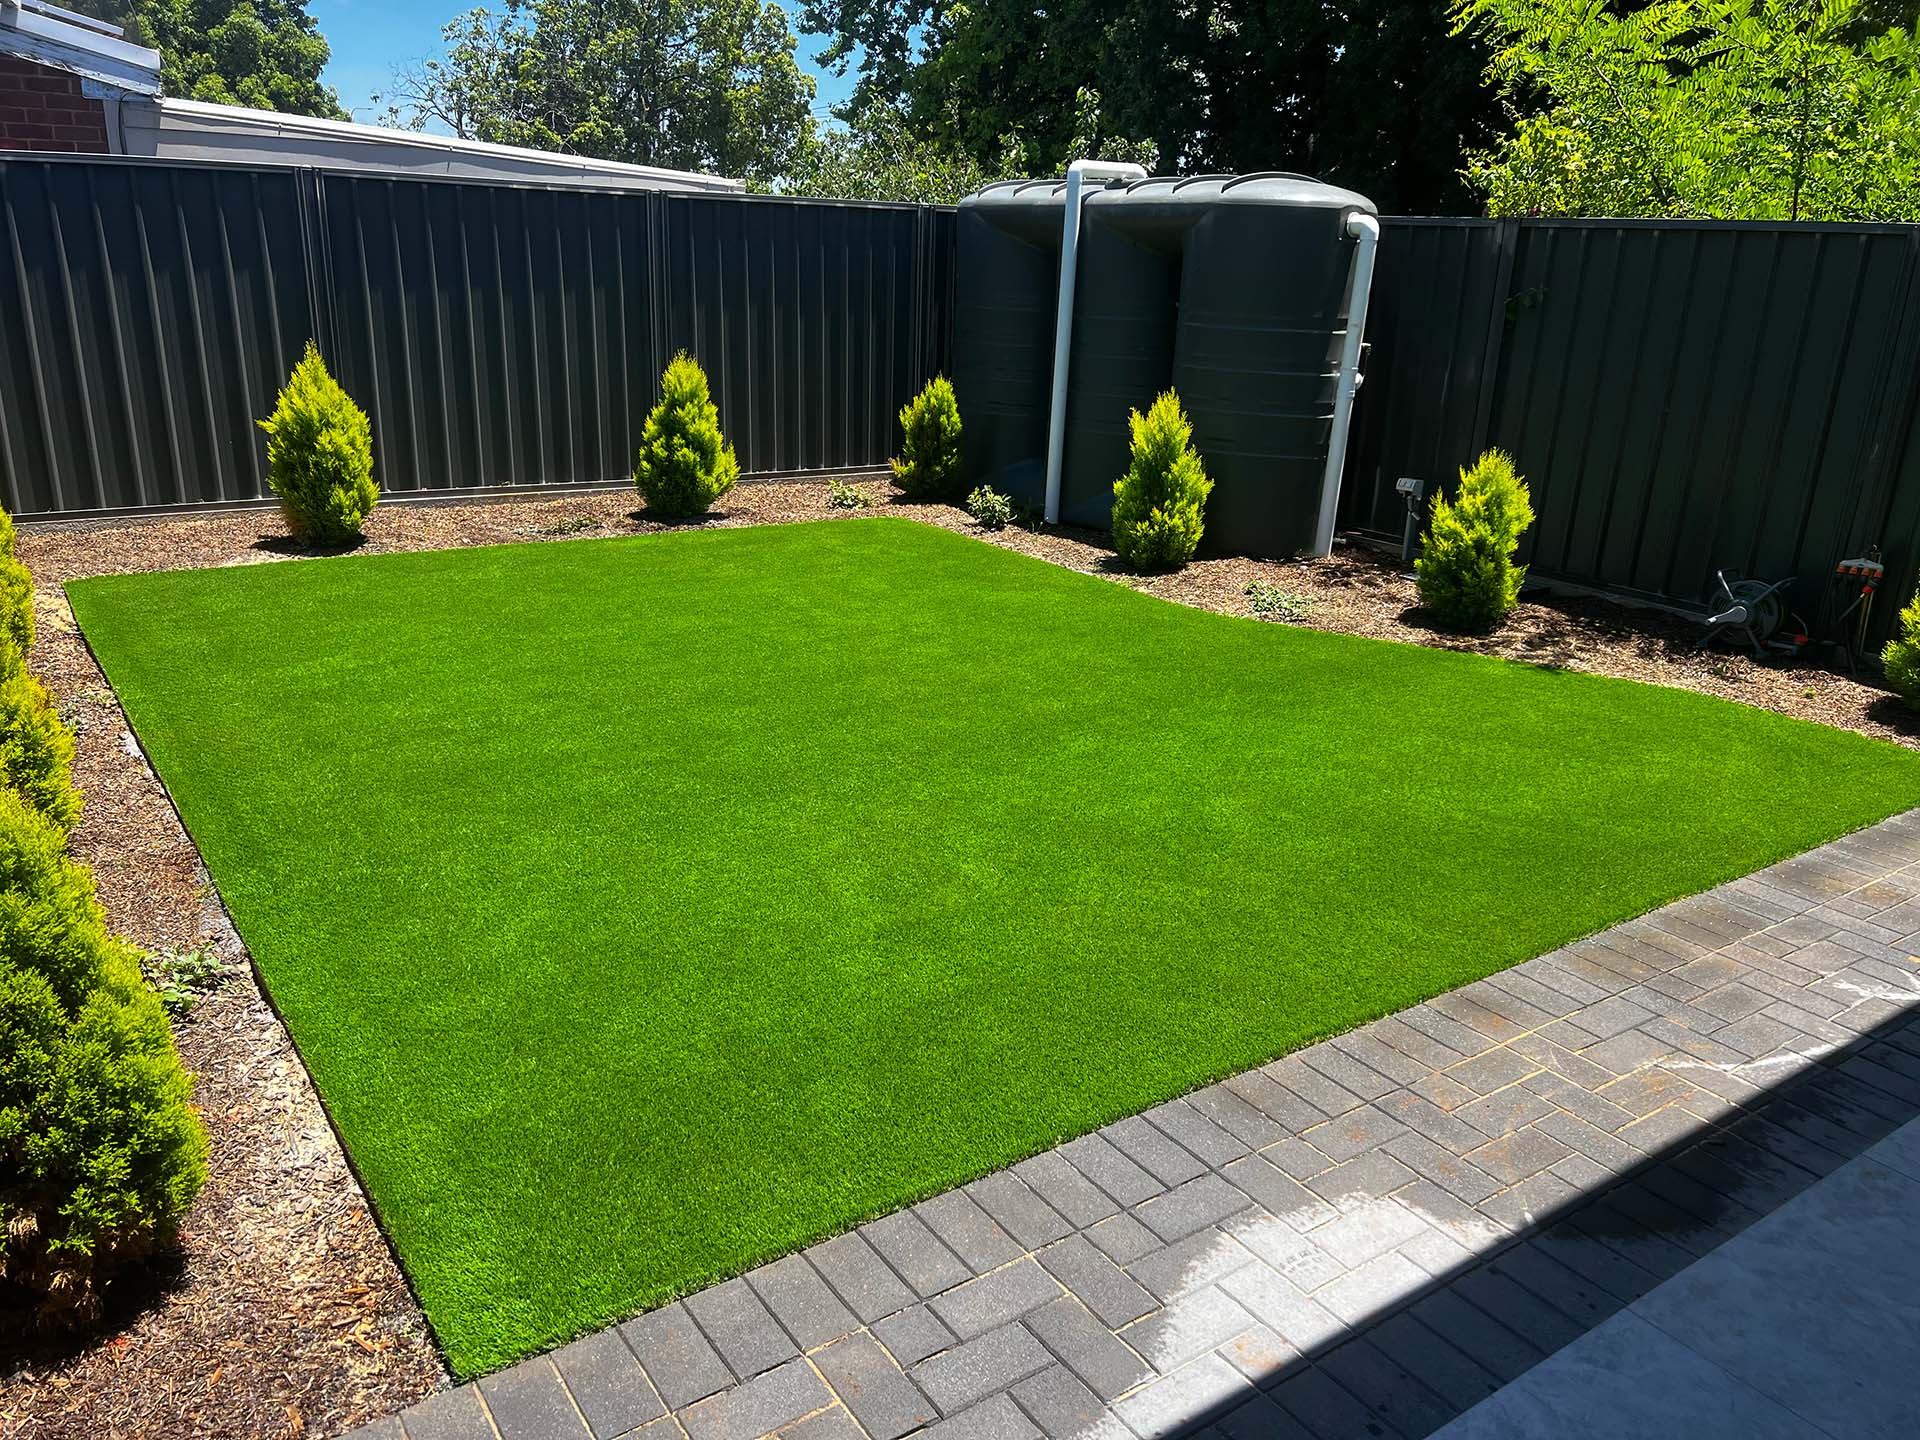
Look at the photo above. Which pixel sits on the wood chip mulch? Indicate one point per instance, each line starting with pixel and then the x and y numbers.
pixel 283 1312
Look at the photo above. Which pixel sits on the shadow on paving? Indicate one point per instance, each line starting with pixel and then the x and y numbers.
pixel 1427 1355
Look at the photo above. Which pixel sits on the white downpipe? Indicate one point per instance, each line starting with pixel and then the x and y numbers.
pixel 1366 230
pixel 1077 172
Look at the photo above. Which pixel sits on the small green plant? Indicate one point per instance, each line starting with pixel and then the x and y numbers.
pixel 16 609
pixel 842 496
pixel 1467 578
pixel 182 978
pixel 990 509
pixel 928 467
pixel 1159 505
pixel 320 456
pixel 685 462
pixel 1270 602
pixel 100 1150
pixel 36 751
pixel 1901 658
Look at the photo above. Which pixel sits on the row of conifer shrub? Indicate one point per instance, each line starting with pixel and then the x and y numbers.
pixel 100 1149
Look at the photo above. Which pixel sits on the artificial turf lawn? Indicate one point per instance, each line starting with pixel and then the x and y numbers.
pixel 647 907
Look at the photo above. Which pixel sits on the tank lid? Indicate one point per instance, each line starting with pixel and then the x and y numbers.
pixel 1259 187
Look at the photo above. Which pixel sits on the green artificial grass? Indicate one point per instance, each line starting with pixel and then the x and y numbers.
pixel 648 907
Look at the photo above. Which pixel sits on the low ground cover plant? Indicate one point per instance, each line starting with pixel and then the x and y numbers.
pixel 1159 505
pixel 685 461
pixel 1901 657
pixel 100 1152
pixel 1465 571
pixel 1270 602
pixel 928 466
pixel 320 456
pixel 596 1035
pixel 990 509
pixel 843 496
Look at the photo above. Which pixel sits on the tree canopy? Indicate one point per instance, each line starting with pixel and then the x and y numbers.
pixel 265 54
pixel 692 84
pixel 1734 109
pixel 1381 95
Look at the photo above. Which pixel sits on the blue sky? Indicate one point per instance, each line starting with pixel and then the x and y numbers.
pixel 370 37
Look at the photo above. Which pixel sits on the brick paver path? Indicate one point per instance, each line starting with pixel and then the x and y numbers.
pixel 1362 1239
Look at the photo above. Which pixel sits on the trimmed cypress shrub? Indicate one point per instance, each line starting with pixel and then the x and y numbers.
pixel 1159 505
pixel 320 456
pixel 100 1151
pixel 16 616
pixel 36 751
pixel 685 462
pixel 1901 658
pixel 1467 578
pixel 6 533
pixel 928 466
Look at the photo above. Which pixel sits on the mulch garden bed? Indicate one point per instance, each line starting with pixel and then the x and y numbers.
pixel 283 1311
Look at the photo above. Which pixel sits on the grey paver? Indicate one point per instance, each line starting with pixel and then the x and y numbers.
pixel 1109 1366
pixel 741 1328
pixel 885 1402
pixel 996 1418
pixel 1190 1206
pixel 1195 1133
pixel 968 1231
pixel 528 1402
pixel 831 1424
pixel 675 1355
pixel 1206 1385
pixel 451 1415
pixel 1152 1150
pixel 913 1334
pixel 1057 1401
pixel 995 1298
pixel 1187 1327
pixel 1103 1287
pixel 860 1277
pixel 1297 1318
pixel 608 1385
pixel 801 1301
pixel 986 1365
pixel 768 1401
pixel 1123 1239
pixel 1069 1192
pixel 1272 1188
pixel 1021 1213
pixel 1116 1174
pixel 919 1256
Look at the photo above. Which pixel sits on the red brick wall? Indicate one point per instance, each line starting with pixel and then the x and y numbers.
pixel 42 109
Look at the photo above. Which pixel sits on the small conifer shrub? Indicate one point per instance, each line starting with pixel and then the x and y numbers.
pixel 16 616
pixel 36 751
pixel 1901 658
pixel 100 1150
pixel 1467 578
pixel 320 456
pixel 1159 505
pixel 928 466
pixel 685 462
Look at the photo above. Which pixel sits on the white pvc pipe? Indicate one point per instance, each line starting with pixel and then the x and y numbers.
pixel 1366 230
pixel 1063 318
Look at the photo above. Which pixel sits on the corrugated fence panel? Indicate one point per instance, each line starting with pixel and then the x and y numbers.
pixel 1681 396
pixel 496 334
pixel 149 314
pixel 1421 410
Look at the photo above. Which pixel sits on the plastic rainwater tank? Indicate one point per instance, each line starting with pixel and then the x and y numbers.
pixel 1007 275
pixel 1230 289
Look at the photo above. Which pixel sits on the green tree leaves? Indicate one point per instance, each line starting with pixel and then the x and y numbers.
pixel 690 84
pixel 264 54
pixel 1727 109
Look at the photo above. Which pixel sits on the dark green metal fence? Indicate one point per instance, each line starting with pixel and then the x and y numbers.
pixel 497 335
pixel 1680 396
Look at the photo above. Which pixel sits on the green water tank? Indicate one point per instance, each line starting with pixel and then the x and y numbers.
pixel 1007 275
pixel 1231 290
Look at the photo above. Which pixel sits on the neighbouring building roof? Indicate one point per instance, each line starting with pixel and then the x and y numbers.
pixel 141 121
